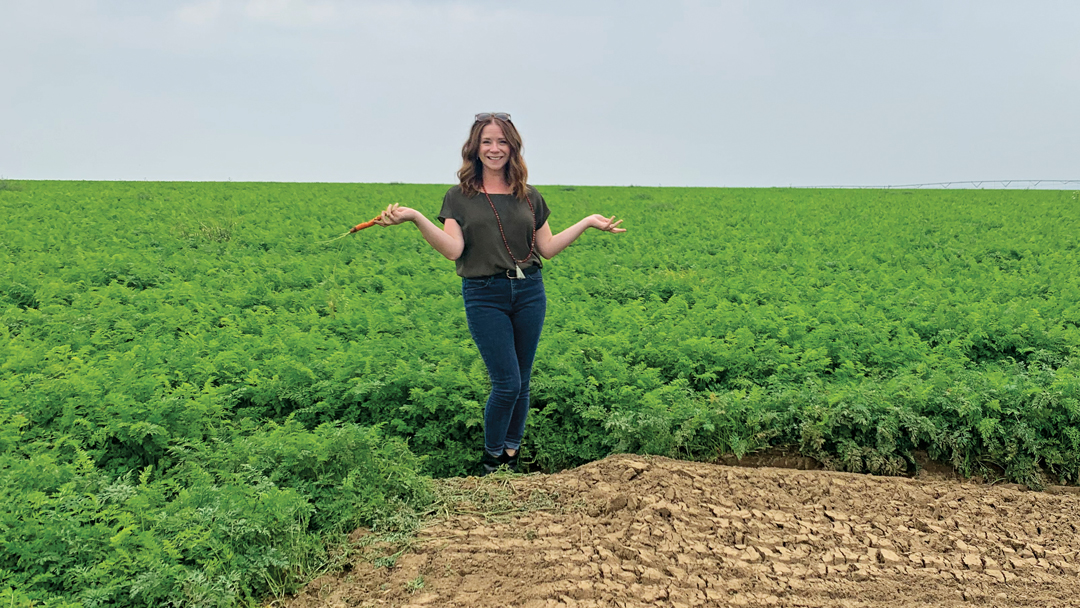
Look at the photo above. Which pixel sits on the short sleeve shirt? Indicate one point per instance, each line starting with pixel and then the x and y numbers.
pixel 485 252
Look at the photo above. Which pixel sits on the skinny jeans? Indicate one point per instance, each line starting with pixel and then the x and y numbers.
pixel 505 319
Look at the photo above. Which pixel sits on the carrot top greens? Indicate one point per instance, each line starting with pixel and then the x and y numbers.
pixel 196 391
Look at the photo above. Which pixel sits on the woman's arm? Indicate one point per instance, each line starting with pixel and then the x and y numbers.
pixel 549 245
pixel 449 241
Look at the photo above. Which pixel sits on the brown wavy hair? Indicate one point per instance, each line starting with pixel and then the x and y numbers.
pixel 471 173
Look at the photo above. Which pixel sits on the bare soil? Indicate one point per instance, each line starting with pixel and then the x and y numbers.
pixel 634 531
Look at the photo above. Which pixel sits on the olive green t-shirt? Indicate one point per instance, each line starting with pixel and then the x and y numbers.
pixel 485 253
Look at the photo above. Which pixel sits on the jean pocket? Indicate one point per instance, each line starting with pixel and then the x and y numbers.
pixel 477 283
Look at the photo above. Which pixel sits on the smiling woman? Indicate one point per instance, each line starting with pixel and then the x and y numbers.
pixel 494 146
pixel 495 228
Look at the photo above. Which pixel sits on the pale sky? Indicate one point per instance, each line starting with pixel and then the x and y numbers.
pixel 672 93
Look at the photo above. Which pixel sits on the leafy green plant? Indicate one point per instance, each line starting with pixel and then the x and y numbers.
pixel 192 410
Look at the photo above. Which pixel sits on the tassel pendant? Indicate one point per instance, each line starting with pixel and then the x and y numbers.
pixel 520 275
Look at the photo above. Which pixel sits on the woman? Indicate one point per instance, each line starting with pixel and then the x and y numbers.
pixel 495 229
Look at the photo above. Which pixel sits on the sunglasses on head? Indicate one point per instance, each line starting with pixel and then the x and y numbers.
pixel 483 116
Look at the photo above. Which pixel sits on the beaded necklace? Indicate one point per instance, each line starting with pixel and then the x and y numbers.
pixel 517 268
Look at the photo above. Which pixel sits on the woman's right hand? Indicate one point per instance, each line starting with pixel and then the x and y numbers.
pixel 395 214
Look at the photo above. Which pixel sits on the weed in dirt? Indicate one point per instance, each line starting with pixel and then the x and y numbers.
pixel 493 497
pixel 387 561
pixel 415 584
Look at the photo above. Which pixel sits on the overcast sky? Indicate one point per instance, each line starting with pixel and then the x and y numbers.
pixel 673 93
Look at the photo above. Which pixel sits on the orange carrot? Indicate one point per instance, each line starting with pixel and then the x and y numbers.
pixel 361 226
pixel 356 228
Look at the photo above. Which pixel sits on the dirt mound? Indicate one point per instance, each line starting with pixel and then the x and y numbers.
pixel 633 531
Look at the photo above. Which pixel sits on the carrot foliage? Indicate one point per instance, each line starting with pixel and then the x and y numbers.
pixel 199 395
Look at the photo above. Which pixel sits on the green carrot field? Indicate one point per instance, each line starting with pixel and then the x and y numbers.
pixel 199 395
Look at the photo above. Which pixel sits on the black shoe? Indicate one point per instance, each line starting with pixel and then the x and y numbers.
pixel 510 461
pixel 489 464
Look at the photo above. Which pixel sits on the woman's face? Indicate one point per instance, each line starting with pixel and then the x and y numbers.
pixel 494 149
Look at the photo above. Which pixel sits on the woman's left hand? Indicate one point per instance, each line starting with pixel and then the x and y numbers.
pixel 607 224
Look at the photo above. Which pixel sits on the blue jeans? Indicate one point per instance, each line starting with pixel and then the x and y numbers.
pixel 505 319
